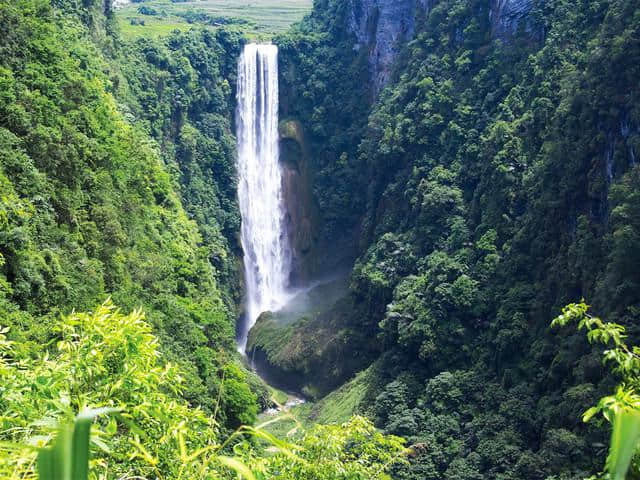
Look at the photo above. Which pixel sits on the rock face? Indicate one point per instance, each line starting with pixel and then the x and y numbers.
pixel 508 16
pixel 300 348
pixel 302 215
pixel 383 26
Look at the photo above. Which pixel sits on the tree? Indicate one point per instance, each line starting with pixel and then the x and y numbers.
pixel 622 408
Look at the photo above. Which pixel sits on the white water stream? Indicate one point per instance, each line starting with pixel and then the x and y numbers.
pixel 267 255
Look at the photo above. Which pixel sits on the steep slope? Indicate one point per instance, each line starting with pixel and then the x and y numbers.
pixel 499 166
pixel 89 209
pixel 180 90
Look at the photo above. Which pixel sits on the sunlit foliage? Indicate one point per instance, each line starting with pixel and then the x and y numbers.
pixel 110 360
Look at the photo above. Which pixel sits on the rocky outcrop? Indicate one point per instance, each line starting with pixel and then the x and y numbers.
pixel 383 26
pixel 510 16
pixel 303 347
pixel 302 216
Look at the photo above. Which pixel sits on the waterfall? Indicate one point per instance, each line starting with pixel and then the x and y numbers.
pixel 267 256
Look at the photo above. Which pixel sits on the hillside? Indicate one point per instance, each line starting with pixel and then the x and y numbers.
pixel 424 185
pixel 91 212
pixel 483 177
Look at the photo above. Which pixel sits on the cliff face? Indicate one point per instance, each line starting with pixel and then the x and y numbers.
pixel 508 16
pixel 383 26
pixel 302 215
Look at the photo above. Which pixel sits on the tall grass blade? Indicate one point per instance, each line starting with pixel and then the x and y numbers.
pixel 624 442
pixel 81 450
pixel 45 464
pixel 68 457
pixel 237 466
pixel 55 462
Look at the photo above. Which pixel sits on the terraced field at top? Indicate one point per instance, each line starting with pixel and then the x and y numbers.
pixel 257 18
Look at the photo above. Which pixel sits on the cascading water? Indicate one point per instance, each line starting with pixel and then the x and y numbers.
pixel 267 256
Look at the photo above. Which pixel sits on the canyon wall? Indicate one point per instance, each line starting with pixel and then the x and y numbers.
pixel 382 27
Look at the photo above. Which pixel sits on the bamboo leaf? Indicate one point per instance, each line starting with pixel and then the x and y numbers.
pixel 237 466
pixel 68 457
pixel 624 442
pixel 55 463
pixel 183 447
pixel 588 415
pixel 45 464
pixel 80 449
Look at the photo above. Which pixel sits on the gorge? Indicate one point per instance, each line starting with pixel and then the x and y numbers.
pixel 380 204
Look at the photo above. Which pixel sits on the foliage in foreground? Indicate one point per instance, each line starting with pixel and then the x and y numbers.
pixel 68 457
pixel 623 408
pixel 106 359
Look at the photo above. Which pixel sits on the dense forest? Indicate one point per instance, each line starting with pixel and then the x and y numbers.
pixel 500 178
pixel 468 167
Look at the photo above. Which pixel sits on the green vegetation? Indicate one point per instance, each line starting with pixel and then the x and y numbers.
pixel 341 404
pixel 261 19
pixel 90 211
pixel 178 90
pixel 623 408
pixel 68 457
pixel 102 359
pixel 335 408
pixel 310 353
pixel 111 360
pixel 106 150
pixel 269 336
pixel 492 181
pixel 152 28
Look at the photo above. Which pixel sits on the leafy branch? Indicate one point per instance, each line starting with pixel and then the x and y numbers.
pixel 623 408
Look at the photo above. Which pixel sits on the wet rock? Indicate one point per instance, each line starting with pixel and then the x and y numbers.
pixel 302 215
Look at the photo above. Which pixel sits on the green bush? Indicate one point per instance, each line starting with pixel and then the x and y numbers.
pixel 106 359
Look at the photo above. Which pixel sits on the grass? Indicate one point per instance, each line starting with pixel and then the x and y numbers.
pixel 340 405
pixel 151 28
pixel 278 396
pixel 336 408
pixel 271 15
pixel 264 18
pixel 284 424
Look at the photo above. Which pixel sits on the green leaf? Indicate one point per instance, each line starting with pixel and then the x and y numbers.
pixel 46 464
pixel 589 414
pixel 55 462
pixel 81 450
pixel 237 466
pixel 624 442
pixel 68 457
